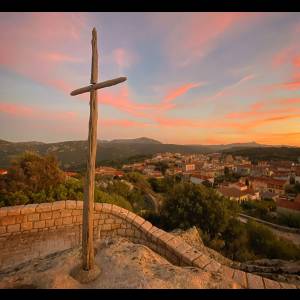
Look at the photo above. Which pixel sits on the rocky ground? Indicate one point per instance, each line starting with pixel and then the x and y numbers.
pixel 123 265
pixel 127 265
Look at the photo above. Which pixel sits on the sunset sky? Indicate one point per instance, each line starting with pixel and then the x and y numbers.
pixel 193 78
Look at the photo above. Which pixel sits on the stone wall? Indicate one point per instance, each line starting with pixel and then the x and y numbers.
pixel 36 230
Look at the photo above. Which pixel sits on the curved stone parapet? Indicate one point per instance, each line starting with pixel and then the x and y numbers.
pixel 35 230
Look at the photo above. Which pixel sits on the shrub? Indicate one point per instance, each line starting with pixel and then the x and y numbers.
pixel 103 197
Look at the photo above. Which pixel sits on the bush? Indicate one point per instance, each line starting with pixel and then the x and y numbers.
pixel 290 220
pixel 103 197
pixel 264 243
pixel 187 205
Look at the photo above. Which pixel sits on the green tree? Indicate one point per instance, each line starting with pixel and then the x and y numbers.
pixel 187 205
pixel 33 172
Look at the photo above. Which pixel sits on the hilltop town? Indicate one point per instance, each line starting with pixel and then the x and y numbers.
pixel 235 177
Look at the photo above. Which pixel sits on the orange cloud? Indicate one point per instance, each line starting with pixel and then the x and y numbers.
pixel 296 61
pixel 181 90
pixel 123 123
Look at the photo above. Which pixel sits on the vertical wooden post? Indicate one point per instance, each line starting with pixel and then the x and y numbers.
pixel 89 188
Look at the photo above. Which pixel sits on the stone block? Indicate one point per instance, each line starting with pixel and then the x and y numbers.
pixel 28 209
pixel 26 226
pixel 79 204
pixel 100 222
pixel 130 217
pixel 115 226
pixel 66 213
pixel 67 220
pixel 13 228
pixel 39 224
pixel 138 221
pixel 255 281
pixel 190 255
pixel 58 222
pixel 201 261
pixel 56 214
pixel 129 232
pixel 115 209
pixel 151 230
pixel 79 219
pixel 165 238
pixel 8 220
pixel 123 213
pixel 20 219
pixel 78 212
pixel 106 227
pixel 3 212
pixel 33 217
pixel 44 207
pixel 98 207
pixel 182 248
pixel 146 226
pixel 70 204
pixel 118 221
pixel 58 205
pixel 106 207
pixel 109 221
pixel 121 231
pixel 240 278
pixel 213 266
pixel 46 215
pixel 173 243
pixel 14 210
pixel 137 234
pixel 227 272
pixel 270 284
pixel 50 223
pixel 155 235
pixel 2 229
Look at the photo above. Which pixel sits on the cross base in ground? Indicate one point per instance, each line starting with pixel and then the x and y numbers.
pixel 83 276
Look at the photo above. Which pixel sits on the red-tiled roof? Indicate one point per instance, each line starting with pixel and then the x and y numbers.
pixel 233 192
pixel 269 180
pixel 204 177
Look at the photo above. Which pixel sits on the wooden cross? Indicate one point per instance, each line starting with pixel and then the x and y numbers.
pixel 88 205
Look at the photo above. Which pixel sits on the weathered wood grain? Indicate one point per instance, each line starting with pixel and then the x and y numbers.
pixel 88 206
pixel 98 86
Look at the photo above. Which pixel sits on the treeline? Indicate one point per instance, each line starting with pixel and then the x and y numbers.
pixel 267 153
pixel 34 178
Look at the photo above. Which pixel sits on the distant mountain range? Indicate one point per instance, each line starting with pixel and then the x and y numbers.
pixel 72 154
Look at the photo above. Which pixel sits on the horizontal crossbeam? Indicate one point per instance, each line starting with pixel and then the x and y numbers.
pixel 98 86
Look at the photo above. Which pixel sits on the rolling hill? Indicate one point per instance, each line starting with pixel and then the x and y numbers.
pixel 72 154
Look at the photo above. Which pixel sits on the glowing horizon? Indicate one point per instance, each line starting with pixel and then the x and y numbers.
pixel 193 78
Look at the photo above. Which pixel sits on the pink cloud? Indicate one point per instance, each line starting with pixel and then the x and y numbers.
pixel 16 110
pixel 40 42
pixel 194 35
pixel 123 57
pixel 30 112
pixel 60 57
